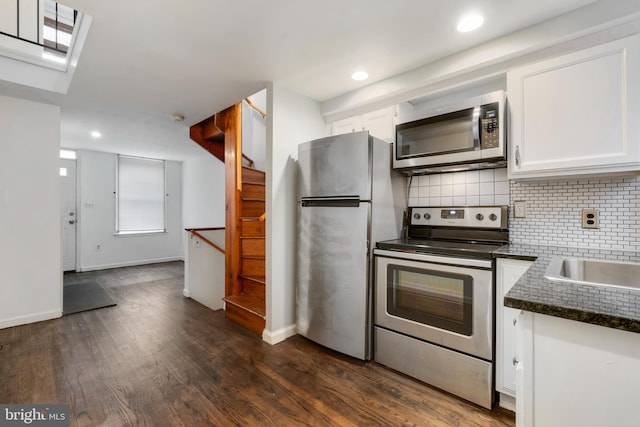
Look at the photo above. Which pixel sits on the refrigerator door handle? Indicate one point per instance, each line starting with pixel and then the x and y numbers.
pixel 341 201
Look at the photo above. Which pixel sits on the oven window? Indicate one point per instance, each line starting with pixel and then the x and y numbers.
pixel 437 298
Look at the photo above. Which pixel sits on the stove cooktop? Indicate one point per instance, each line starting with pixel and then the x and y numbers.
pixel 468 231
pixel 444 247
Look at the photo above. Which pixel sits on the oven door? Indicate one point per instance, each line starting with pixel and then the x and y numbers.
pixel 443 300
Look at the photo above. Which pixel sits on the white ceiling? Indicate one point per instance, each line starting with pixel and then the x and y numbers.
pixel 144 60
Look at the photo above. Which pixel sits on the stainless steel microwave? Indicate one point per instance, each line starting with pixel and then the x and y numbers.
pixel 460 136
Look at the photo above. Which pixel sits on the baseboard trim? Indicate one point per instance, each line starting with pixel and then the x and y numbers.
pixel 31 318
pixel 279 335
pixel 129 264
pixel 507 402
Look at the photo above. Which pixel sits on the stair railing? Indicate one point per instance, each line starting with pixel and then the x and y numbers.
pixel 49 19
pixel 194 231
pixel 255 107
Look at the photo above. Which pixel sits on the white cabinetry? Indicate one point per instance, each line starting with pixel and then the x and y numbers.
pixel 577 114
pixel 576 374
pixel 508 273
pixel 379 123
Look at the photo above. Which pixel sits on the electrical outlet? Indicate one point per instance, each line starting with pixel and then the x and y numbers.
pixel 519 209
pixel 590 218
pixel 98 248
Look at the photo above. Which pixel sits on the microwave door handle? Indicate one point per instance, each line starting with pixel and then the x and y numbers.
pixel 476 127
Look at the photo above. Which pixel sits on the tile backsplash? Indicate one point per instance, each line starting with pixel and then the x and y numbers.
pixel 553 208
pixel 470 188
pixel 553 213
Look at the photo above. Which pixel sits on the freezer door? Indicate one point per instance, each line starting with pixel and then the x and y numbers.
pixel 333 292
pixel 336 166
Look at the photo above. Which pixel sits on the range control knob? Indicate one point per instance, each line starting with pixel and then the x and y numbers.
pixel 479 217
pixel 493 217
pixel 427 216
pixel 416 215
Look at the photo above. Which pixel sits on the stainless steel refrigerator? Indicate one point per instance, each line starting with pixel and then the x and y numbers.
pixel 349 198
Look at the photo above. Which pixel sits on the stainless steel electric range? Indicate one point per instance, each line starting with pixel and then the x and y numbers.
pixel 435 298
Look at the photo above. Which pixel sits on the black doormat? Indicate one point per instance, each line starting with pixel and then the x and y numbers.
pixel 84 297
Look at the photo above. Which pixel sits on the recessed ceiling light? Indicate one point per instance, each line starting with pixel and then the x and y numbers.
pixel 360 75
pixel 96 134
pixel 469 23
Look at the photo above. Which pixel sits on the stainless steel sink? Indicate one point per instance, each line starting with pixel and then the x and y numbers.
pixel 594 272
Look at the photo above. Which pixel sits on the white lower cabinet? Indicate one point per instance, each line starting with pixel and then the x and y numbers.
pixel 576 114
pixel 507 274
pixel 576 374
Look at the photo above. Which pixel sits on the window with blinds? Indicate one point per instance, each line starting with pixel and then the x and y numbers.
pixel 140 196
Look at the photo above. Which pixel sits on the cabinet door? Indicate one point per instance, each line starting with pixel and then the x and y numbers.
pixel 576 114
pixel 380 124
pixel 508 273
pixel 348 125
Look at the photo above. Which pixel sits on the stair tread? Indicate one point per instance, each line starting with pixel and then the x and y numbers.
pixel 250 303
pixel 253 170
pixel 252 237
pixel 260 279
pixel 250 218
pixel 252 199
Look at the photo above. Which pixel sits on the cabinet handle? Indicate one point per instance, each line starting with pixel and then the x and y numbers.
pixel 475 130
pixel 517 155
pixel 515 361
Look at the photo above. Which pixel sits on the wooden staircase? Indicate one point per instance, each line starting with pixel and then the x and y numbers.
pixel 221 135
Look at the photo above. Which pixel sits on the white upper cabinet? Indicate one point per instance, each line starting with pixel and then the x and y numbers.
pixel 577 114
pixel 379 123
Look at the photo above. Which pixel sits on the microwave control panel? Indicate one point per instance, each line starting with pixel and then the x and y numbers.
pixel 490 126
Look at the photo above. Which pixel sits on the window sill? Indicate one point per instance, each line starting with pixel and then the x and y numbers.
pixel 140 233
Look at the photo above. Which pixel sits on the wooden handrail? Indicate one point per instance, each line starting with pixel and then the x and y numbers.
pixel 255 107
pixel 249 159
pixel 204 229
pixel 195 231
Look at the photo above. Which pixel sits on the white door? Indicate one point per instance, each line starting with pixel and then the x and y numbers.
pixel 68 213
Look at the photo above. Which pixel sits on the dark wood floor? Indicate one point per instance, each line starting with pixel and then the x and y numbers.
pixel 159 359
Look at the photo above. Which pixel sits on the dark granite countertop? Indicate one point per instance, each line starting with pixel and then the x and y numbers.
pixel 600 305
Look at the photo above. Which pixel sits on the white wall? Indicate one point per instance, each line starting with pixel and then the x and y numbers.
pixel 203 206
pixel 30 228
pixel 293 119
pixel 203 192
pixel 204 277
pixel 254 130
pixel 96 218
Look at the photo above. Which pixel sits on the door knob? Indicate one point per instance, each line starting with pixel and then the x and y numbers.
pixel 71 221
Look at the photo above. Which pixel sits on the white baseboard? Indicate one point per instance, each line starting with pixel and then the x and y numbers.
pixel 30 318
pixel 278 336
pixel 128 264
pixel 507 402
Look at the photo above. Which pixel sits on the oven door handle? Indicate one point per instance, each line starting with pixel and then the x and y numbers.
pixel 436 259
